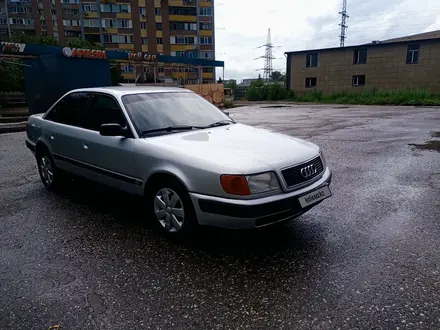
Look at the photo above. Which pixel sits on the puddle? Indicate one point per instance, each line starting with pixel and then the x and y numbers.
pixel 435 134
pixel 275 106
pixel 429 145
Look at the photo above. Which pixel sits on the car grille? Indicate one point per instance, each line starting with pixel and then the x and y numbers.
pixel 292 175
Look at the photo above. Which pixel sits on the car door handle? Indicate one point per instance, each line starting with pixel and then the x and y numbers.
pixel 85 146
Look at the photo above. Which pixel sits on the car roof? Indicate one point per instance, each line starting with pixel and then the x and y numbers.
pixel 122 90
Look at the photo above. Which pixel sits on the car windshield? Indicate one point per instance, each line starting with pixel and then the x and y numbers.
pixel 164 113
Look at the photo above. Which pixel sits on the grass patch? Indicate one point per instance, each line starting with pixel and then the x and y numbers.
pixel 417 97
pixel 414 97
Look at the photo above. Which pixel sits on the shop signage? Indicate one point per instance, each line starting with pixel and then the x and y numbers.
pixel 142 57
pixel 84 53
pixel 12 47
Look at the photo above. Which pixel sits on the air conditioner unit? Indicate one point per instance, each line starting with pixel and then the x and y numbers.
pixel 376 42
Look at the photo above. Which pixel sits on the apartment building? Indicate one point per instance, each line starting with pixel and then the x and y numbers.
pixel 183 28
pixel 407 62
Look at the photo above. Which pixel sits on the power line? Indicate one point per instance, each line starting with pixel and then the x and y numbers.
pixel 343 24
pixel 268 57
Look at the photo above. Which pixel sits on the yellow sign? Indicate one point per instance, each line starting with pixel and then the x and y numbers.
pixel 142 57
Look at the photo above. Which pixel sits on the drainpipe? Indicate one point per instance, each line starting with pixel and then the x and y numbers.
pixel 198 40
pixel 213 42
pixel 7 18
pixel 81 19
pixel 101 36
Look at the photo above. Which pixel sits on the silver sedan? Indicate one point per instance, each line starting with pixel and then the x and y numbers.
pixel 193 164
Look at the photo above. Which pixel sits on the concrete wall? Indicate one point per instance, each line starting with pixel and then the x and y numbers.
pixel 386 68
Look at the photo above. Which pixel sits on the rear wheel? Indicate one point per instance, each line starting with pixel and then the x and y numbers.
pixel 48 172
pixel 171 208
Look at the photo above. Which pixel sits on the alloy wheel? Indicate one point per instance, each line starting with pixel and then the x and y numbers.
pixel 168 209
pixel 46 170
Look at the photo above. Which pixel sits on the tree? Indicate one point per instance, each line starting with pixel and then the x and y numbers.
pixel 115 73
pixel 277 76
pixel 232 84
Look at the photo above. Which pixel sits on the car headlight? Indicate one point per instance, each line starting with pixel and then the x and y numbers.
pixel 262 182
pixel 249 184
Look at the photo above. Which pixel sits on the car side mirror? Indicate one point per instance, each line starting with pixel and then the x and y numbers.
pixel 112 130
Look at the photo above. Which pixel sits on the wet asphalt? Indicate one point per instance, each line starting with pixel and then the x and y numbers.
pixel 368 258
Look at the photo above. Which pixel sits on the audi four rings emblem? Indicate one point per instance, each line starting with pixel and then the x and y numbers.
pixel 308 171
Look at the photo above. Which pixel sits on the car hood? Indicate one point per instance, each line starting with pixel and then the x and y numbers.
pixel 240 147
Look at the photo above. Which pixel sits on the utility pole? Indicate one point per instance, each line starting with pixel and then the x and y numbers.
pixel 343 24
pixel 268 58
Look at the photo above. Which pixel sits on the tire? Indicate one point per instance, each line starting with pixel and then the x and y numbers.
pixel 49 174
pixel 171 208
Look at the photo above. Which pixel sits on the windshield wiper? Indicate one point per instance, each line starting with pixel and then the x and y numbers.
pixel 170 129
pixel 221 123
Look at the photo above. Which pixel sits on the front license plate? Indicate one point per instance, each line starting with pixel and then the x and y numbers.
pixel 315 196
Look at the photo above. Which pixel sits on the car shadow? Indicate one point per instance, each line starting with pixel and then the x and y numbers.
pixel 127 212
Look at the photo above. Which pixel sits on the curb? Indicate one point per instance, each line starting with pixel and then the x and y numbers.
pixel 13 127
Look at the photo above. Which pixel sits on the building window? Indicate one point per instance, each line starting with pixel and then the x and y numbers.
pixel 208 69
pixel 360 56
pixel 143 11
pixel 412 56
pixel 184 40
pixel 114 8
pixel 205 26
pixel 53 11
pixel 90 7
pixel 144 40
pixel 205 11
pixel 143 25
pixel 206 55
pixel 310 82
pixel 157 11
pixel 125 24
pixel 23 21
pixel 206 40
pixel 159 26
pixel 183 26
pixel 358 80
pixel 188 11
pixel 159 41
pixel 312 60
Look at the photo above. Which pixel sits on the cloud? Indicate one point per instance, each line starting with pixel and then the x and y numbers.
pixel 241 27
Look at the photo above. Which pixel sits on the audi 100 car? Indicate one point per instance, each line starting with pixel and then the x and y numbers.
pixel 193 164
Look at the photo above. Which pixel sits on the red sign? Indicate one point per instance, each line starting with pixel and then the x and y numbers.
pixel 84 53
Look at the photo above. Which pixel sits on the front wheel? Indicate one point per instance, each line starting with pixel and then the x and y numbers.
pixel 172 209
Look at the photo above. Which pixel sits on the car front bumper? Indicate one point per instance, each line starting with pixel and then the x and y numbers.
pixel 255 213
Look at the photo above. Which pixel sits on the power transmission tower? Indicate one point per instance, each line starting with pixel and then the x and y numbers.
pixel 343 24
pixel 268 58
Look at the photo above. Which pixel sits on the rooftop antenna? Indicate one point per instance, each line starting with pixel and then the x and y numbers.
pixel 343 24
pixel 268 57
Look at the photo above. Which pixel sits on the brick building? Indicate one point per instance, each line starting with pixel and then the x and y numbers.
pixel 183 28
pixel 407 62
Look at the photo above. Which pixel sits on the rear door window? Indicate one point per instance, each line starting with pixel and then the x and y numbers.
pixel 104 109
pixel 71 110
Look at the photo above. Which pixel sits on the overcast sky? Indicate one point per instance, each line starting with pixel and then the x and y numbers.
pixel 241 26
